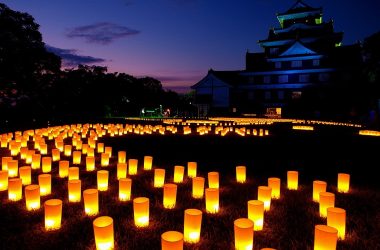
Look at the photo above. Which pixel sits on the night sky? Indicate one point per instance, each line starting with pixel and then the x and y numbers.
pixel 176 41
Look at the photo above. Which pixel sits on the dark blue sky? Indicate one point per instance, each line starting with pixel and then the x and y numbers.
pixel 176 41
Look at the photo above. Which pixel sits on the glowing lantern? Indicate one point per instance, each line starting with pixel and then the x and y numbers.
pixel 77 157
pixel 326 200
pixel 256 213
pixel 108 150
pixel 170 195
pixel 268 248
pixel 13 168
pixel 84 149
pixel 172 240
pixel 198 187
pixel 265 195
pixel 90 152
pixel 125 187
pixel 336 217
pixel 91 201
pixel 213 180
pixel 148 160
pixel 121 170
pixel 292 180
pixel 318 186
pixel 132 166
pixel 122 157
pixel 63 169
pixel 103 232
pixel 105 160
pixel 24 153
pixel 75 192
pixel 46 164
pixel 26 175
pixel 212 200
pixel 325 237
pixel 343 183
pixel 275 184
pixel 141 211
pixel 102 180
pixel 241 174
pixel 44 180
pixel 90 163
pixel 14 189
pixel 100 147
pixel 192 225
pixel 4 162
pixel 43 149
pixel 74 173
pixel 67 150
pixel 56 154
pixel 53 214
pixel 36 161
pixel 159 177
pixel 178 174
pixel 243 231
pixel 192 169
pixel 32 197
pixel 3 180
pixel 29 157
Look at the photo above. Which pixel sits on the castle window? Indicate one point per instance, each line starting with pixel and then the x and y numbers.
pixel 273 51
pixel 316 62
pixel 281 95
pixel 324 77
pixel 283 78
pixel 296 64
pixel 277 65
pixel 266 79
pixel 267 95
pixel 304 78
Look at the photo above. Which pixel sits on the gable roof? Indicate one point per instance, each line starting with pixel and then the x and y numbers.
pixel 299 6
pixel 231 78
pixel 298 49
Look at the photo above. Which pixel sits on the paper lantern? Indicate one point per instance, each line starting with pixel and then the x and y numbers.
pixel 125 187
pixel 178 174
pixel 29 157
pixel 159 177
pixel 13 168
pixel 100 148
pixel 23 153
pixel 63 169
pixel 3 180
pixel 32 197
pixel 105 160
pixel 53 214
pixel 148 160
pixel 74 173
pixel 90 163
pixel 172 240
pixel 15 189
pixel 36 161
pixel 59 145
pixel 256 213
pixel 325 238
pixel 132 166
pixel 84 149
pixel 44 180
pixel 102 180
pixel 326 200
pixel 318 186
pixel 90 152
pixel 170 195
pixel 103 233
pixel 192 169
pixel 275 184
pixel 241 174
pixel 43 149
pixel 198 187
pixel 67 150
pixel 243 231
pixel 26 175
pixel 4 162
pixel 265 195
pixel 336 217
pixel 212 200
pixel 74 190
pixel 91 201
pixel 292 180
pixel 121 157
pixel 141 211
pixel 121 170
pixel 46 164
pixel 77 157
pixel 56 155
pixel 213 180
pixel 343 183
pixel 268 248
pixel 108 150
pixel 192 225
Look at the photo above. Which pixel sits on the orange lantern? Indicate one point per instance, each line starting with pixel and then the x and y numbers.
pixel 192 169
pixel 44 180
pixel 141 211
pixel 241 174
pixel 84 149
pixel 192 225
pixel 275 184
pixel 91 201
pixel 213 180
pixel 292 180
pixel 325 237
pixel 318 186
pixel 170 195
pixel 13 168
pixel 132 166
pixel 23 153
pixel 148 160
pixel 53 214
pixel 125 186
pixel 3 180
pixel 4 162
pixel 105 160
pixel 122 157
pixel 326 200
pixel 265 195
pixel 77 157
pixel 75 192
pixel 256 213
pixel 159 177
pixel 15 189
pixel 104 233
pixel 343 183
pixel 32 197
pixel 172 240
pixel 43 149
pixel 90 163
pixel 74 173
pixel 90 152
pixel 63 169
pixel 56 155
pixel 67 150
pixel 100 148
pixel 26 175
pixel 336 217
pixel 46 164
pixel 212 200
pixel 102 180
pixel 108 150
pixel 29 157
pixel 198 187
pixel 178 174
pixel 121 170
pixel 243 231
pixel 36 161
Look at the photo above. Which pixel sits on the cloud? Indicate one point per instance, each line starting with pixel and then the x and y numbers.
pixel 70 57
pixel 101 33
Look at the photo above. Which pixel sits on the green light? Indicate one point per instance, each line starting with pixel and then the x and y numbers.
pixel 338 44
pixel 318 20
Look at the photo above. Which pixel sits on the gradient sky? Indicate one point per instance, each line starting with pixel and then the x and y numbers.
pixel 177 41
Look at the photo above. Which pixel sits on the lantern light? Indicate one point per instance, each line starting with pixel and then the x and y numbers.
pixel 103 233
pixel 102 177
pixel 198 187
pixel 63 169
pixel 336 217
pixel 13 168
pixel 159 177
pixel 3 180
pixel 4 162
pixel 265 195
pixel 44 180
pixel 212 200
pixel 15 189
pixel 91 201
pixel 192 169
pixel 256 213
pixel 172 240
pixel 100 147
pixel 67 150
pixel 108 150
pixel 122 157
pixel 32 197
pixel 326 200
pixel 105 160
pixel 292 180
pixel 192 225
pixel 90 163
pixel 343 183
pixel 77 157
pixel 74 190
pixel 241 174
pixel 170 195
pixel 318 186
pixel 178 174
pixel 125 187
pixel 132 166
pixel 243 231
pixel 74 173
pixel 36 161
pixel 46 164
pixel 141 211
pixel 213 180
pixel 121 170
pixel 275 184
pixel 325 237
pixel 53 214
pixel 26 175
pixel 148 160
pixel 56 155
